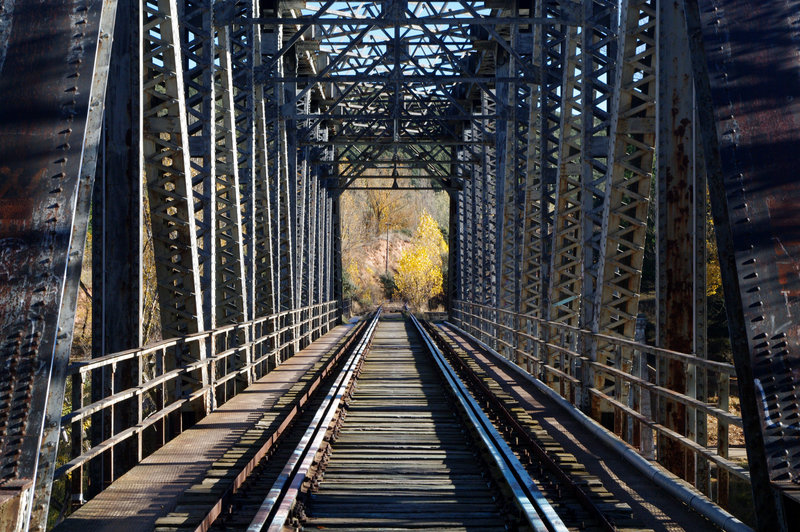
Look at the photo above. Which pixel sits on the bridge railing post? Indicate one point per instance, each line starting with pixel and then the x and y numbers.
pixel 77 438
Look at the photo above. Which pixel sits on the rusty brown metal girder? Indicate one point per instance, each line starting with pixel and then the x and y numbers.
pixel 47 55
pixel 747 84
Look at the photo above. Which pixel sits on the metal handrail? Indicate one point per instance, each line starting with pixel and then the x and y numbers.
pixel 520 337
pixel 216 371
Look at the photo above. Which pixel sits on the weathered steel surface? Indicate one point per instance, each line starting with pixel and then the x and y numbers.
pixel 753 64
pixel 46 63
pixel 246 119
pixel 674 228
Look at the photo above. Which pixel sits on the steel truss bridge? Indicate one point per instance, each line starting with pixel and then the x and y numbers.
pixel 211 140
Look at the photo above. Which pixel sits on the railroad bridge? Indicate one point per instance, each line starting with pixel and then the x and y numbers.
pixel 212 139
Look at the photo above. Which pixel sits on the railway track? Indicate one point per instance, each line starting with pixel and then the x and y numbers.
pixel 393 440
pixel 403 458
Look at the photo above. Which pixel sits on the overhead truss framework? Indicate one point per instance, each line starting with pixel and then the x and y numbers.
pixel 217 155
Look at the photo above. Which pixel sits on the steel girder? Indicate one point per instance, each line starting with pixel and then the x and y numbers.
pixel 746 80
pixel 47 173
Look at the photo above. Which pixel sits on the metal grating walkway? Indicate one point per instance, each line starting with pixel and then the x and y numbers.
pixel 150 489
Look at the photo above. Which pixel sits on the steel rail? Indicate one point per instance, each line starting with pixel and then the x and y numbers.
pixel 538 511
pixel 275 439
pixel 277 505
pixel 527 439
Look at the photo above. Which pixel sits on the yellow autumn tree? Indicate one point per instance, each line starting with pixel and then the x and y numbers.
pixel 360 289
pixel 419 272
pixel 713 274
pixel 418 279
pixel 429 237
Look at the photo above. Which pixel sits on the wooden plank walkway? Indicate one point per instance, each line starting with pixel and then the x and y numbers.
pixel 149 490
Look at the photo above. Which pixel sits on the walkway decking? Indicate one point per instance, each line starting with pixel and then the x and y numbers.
pixel 149 490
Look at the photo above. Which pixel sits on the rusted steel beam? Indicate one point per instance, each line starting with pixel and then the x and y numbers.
pixel 47 54
pixel 747 81
pixel 674 194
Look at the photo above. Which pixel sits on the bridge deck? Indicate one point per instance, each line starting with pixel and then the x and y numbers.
pixel 150 490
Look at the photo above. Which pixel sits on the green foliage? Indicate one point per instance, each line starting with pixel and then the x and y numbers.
pixel 348 288
pixel 388 284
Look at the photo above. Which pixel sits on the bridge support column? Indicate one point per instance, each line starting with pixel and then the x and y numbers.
pixel 750 141
pixel 676 181
pixel 117 238
pixel 452 243
pixel 336 227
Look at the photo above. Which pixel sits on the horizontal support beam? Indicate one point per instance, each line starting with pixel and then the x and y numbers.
pixel 381 142
pixel 400 164
pixel 262 77
pixel 375 176
pixel 396 188
pixel 384 117
pixel 424 21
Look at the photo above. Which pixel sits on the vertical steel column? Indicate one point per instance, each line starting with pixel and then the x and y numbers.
pixel 117 239
pixel 229 231
pixel 239 37
pixel 197 54
pixel 543 141
pixel 531 288
pixel 452 243
pixel 553 61
pixel 230 266
pixel 467 254
pixel 598 48
pixel 326 244
pixel 697 377
pixel 675 236
pixel 117 205
pixel 287 213
pixel 630 159
pixel 563 292
pixel 486 132
pixel 565 273
pixel 500 177
pixel 512 174
pixel 337 250
pixel 167 165
pixel 47 172
pixel 475 232
pixel 298 179
pixel 93 142
pixel 312 227
pixel 265 266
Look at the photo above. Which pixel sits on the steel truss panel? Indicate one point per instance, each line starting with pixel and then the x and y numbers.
pixel 53 66
pixel 746 93
pixel 565 273
pixel 168 166
pixel 629 169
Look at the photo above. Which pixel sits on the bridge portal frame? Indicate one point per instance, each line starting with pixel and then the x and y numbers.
pixel 232 122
